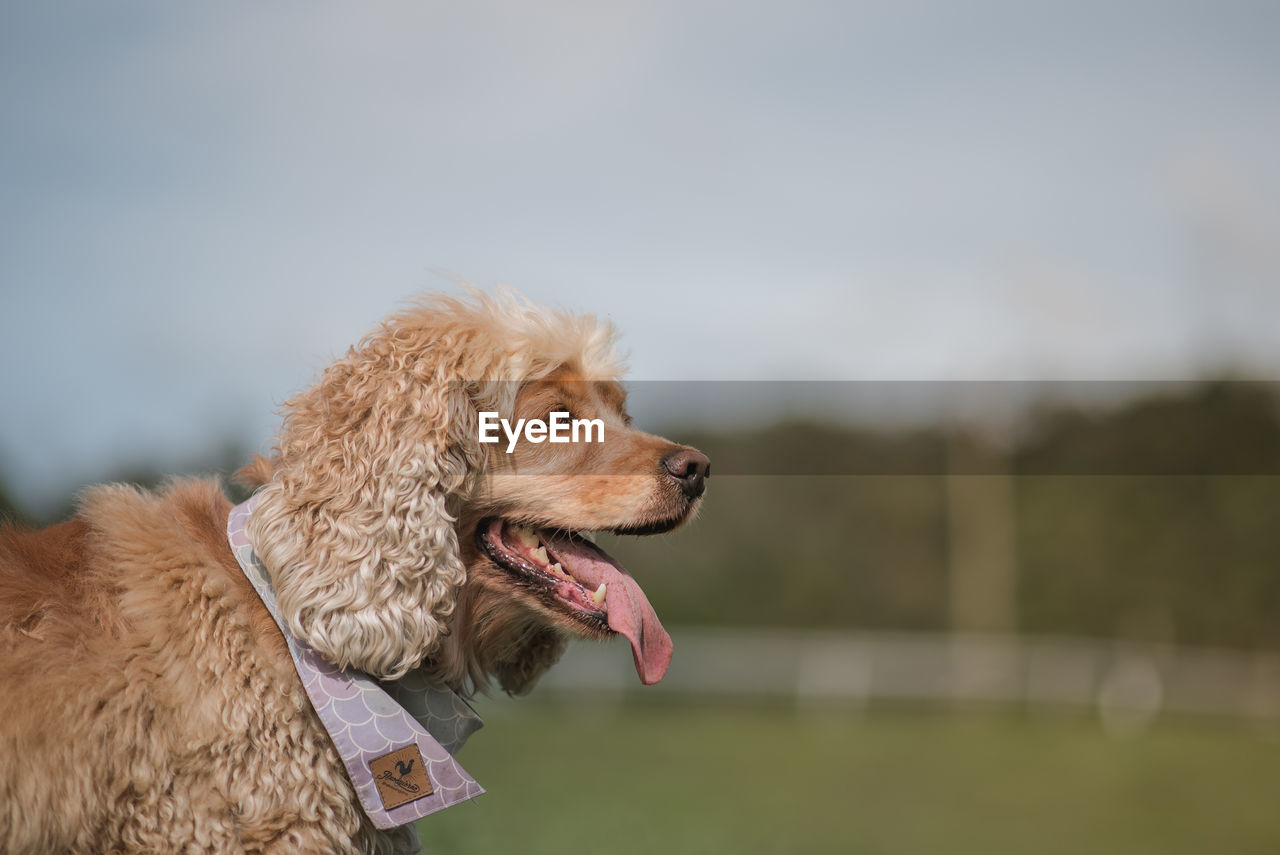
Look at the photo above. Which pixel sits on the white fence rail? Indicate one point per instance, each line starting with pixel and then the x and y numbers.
pixel 1124 681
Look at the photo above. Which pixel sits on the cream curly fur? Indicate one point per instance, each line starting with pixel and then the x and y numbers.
pixel 147 700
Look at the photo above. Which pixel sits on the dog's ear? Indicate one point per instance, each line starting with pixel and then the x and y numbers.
pixel 355 525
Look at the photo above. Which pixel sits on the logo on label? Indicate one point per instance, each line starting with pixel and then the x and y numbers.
pixel 401 777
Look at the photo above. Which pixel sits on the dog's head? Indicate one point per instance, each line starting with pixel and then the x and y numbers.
pixel 422 510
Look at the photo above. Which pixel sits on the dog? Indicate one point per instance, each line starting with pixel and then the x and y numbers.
pixel 149 702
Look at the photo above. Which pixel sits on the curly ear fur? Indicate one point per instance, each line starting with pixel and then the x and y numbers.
pixel 356 524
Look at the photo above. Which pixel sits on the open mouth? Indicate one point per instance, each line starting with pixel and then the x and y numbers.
pixel 567 571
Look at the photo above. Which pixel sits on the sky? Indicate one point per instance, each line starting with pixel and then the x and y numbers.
pixel 202 204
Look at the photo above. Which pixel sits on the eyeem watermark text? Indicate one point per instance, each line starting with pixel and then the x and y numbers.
pixel 558 428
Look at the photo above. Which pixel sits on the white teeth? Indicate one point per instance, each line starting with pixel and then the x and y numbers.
pixel 598 596
pixel 589 536
pixel 525 535
pixel 540 554
pixel 556 569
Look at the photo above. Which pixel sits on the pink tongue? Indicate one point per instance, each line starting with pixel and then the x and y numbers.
pixel 629 611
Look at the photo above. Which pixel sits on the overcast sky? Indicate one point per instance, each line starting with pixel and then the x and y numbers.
pixel 201 204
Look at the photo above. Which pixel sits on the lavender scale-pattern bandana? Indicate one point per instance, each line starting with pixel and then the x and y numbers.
pixel 395 738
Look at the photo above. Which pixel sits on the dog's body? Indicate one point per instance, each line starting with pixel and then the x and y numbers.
pixel 148 701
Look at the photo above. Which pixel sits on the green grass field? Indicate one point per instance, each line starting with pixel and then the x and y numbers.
pixel 712 778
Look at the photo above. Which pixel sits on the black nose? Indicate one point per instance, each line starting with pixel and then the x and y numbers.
pixel 691 468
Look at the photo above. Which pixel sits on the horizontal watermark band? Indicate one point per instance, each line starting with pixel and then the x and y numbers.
pixel 1087 428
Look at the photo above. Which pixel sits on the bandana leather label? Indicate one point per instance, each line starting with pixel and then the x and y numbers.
pixel 401 777
pixel 395 738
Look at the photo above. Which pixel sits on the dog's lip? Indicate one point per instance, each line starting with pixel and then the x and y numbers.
pixel 656 527
pixel 570 594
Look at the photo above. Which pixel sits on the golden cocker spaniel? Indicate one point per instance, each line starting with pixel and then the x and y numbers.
pixel 148 701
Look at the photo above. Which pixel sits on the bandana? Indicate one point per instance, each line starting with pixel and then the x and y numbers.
pixel 396 738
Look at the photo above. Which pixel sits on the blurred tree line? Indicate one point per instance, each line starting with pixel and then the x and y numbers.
pixel 8 510
pixel 1155 519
